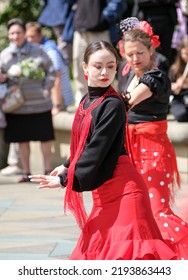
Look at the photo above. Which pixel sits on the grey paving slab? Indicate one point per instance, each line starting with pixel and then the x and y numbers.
pixel 33 224
pixel 63 248
pixel 24 256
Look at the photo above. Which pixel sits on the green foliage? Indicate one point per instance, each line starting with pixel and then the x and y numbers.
pixel 28 10
pixel 3 36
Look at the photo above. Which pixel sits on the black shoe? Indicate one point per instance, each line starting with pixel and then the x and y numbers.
pixel 24 178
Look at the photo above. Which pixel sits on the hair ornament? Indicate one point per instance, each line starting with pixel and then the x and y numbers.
pixel 127 67
pixel 146 27
pixel 129 24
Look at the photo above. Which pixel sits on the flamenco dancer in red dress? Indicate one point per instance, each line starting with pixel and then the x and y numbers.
pixel 121 225
pixel 148 90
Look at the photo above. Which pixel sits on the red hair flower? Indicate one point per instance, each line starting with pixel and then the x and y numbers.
pixel 146 27
pixel 121 49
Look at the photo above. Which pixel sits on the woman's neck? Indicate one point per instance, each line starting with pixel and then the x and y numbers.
pixel 140 73
pixel 21 45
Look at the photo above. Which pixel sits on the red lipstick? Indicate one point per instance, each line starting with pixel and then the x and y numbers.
pixel 104 80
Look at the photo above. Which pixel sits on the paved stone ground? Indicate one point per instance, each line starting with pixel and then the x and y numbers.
pixel 32 223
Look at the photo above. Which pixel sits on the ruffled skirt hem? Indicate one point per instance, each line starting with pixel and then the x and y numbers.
pixel 154 249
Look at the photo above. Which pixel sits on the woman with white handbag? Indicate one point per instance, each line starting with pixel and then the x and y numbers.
pixel 32 72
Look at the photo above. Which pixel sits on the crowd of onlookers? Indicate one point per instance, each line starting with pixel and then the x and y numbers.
pixel 75 24
pixel 75 27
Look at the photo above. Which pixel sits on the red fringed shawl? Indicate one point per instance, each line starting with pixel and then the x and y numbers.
pixel 80 129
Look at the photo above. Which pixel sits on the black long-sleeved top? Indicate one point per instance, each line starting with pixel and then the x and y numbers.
pixel 105 142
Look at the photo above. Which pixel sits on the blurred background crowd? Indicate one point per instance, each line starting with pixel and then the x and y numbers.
pixel 63 29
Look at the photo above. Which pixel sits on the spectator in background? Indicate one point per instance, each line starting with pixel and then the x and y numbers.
pixel 184 8
pixel 58 14
pixel 93 20
pixel 179 77
pixel 62 90
pixel 33 120
pixel 162 16
pixel 13 161
pixel 180 30
pixel 3 146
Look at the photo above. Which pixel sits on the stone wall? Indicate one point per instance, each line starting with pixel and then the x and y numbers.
pixel 178 133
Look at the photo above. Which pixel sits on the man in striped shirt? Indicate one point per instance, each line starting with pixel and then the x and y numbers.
pixel 62 94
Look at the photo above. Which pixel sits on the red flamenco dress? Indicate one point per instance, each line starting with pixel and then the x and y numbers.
pixel 121 225
pixel 154 157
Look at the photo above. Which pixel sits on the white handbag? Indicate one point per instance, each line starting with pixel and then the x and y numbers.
pixel 13 100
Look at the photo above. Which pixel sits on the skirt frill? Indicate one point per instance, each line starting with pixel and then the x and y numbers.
pixel 121 248
pixel 121 225
pixel 155 159
pixel 175 233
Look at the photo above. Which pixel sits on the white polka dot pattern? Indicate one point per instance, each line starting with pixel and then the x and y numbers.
pixel 155 162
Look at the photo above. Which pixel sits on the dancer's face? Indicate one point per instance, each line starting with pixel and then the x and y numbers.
pixel 138 56
pixel 101 68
